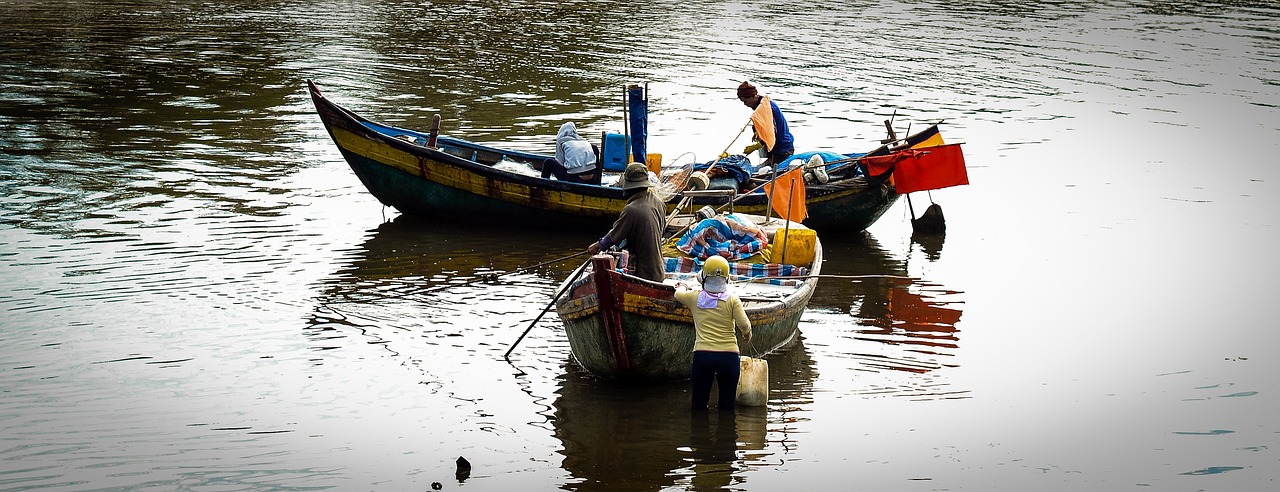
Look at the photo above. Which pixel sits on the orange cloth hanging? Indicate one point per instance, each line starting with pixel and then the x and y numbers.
pixel 762 120
pixel 787 194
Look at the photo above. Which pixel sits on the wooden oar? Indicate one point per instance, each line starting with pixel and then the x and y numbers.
pixel 841 164
pixel 567 284
pixel 686 198
pixel 753 190
pixel 726 148
pixel 689 196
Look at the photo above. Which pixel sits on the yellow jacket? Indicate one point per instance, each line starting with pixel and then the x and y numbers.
pixel 715 326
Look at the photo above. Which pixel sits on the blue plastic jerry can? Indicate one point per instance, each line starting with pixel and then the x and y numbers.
pixel 614 152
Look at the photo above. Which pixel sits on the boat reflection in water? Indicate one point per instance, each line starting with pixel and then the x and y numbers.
pixel 929 244
pixel 444 294
pixel 911 321
pixel 410 254
pixel 646 437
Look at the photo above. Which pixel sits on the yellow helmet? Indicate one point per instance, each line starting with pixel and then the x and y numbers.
pixel 715 266
pixel 715 274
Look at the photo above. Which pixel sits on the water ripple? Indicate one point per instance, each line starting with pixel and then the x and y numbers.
pixel 198 293
pixel 1214 470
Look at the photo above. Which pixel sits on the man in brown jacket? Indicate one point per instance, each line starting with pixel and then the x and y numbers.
pixel 640 224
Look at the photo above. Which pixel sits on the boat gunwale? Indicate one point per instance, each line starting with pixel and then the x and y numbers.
pixel 816 192
pixel 581 312
pixel 845 206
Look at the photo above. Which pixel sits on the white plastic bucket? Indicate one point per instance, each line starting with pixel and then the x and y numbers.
pixel 753 382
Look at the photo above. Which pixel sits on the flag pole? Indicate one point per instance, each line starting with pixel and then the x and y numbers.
pixel 768 211
pixel 786 228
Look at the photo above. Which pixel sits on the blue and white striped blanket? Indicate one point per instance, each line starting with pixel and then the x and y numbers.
pixel 724 235
pixel 743 271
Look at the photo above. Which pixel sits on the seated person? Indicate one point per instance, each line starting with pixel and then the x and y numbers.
pixel 575 158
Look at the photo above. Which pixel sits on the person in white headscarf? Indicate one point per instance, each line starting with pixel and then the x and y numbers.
pixel 576 159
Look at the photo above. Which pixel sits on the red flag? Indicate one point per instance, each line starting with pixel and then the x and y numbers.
pixel 921 169
pixel 786 193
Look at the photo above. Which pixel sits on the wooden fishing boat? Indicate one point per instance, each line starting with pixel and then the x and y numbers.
pixel 625 328
pixel 440 177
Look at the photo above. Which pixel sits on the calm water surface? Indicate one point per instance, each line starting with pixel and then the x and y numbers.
pixel 198 294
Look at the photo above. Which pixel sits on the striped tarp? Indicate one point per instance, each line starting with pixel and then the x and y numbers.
pixel 743 271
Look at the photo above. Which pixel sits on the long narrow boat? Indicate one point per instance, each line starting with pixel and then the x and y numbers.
pixel 440 177
pixel 625 328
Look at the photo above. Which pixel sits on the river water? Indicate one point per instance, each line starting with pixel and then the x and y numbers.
pixel 196 293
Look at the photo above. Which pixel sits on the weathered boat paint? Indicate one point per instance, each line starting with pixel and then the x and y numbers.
pixel 629 329
pixel 457 181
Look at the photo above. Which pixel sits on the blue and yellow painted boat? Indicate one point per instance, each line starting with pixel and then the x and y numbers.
pixel 440 177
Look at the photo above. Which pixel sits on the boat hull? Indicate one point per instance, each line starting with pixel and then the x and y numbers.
pixel 457 180
pixel 628 329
